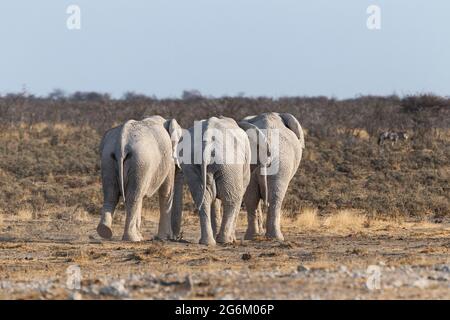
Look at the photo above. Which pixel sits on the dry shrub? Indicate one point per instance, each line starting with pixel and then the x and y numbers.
pixel 361 134
pixel 49 150
pixel 346 219
pixel 424 102
pixel 308 219
pixel 25 215
pixel 80 215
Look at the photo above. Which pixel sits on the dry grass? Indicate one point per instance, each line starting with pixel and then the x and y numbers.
pixel 308 219
pixel 339 221
pixel 49 157
pixel 25 215
pixel 345 220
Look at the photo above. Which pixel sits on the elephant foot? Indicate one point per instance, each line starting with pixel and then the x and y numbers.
pixel 275 235
pixel 251 235
pixel 221 238
pixel 207 241
pixel 133 237
pixel 104 231
pixel 164 237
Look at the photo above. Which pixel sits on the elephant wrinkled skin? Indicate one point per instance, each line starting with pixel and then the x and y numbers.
pixel 291 143
pixel 212 180
pixel 136 161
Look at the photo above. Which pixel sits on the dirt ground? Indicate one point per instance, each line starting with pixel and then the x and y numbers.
pixel 38 256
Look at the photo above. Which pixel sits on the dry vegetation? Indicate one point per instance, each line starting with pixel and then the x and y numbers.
pixel 350 205
pixel 49 150
pixel 329 260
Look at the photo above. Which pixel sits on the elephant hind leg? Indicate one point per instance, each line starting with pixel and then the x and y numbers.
pixel 104 227
pixel 207 235
pixel 254 219
pixel 216 216
pixel 166 193
pixel 273 224
pixel 110 200
pixel 132 222
pixel 227 232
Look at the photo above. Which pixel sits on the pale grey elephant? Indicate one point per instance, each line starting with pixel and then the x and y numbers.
pixel 212 177
pixel 137 159
pixel 272 187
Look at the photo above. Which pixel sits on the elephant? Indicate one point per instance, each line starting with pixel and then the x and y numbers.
pixel 215 177
pixel 137 159
pixel 272 187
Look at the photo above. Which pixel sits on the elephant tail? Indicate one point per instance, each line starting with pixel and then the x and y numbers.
pixel 204 168
pixel 122 155
pixel 204 172
pixel 265 187
pixel 205 162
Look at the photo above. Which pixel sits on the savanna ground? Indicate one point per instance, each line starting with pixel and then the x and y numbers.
pixel 351 205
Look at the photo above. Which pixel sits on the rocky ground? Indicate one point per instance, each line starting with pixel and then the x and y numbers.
pixel 44 259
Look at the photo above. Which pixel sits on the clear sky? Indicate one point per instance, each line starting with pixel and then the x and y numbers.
pixel 225 47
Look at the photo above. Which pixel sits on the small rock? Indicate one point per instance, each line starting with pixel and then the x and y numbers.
pixel 75 296
pixel 397 284
pixel 188 283
pixel 246 256
pixel 343 269
pixel 442 268
pixel 421 283
pixel 302 268
pixel 117 289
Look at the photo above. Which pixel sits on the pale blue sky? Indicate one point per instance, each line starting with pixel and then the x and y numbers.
pixel 223 47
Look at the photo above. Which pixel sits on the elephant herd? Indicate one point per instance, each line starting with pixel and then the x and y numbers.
pixel 223 162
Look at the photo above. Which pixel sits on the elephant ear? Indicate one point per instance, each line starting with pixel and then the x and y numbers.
pixel 175 133
pixel 292 123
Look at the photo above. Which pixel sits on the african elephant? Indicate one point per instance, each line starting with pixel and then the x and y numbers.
pixel 210 175
pixel 137 159
pixel 272 187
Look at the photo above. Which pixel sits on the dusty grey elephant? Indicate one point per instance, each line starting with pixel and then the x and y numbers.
pixel 272 187
pixel 137 159
pixel 213 177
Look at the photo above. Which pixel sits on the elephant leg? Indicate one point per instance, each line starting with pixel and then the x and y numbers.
pixel 274 212
pixel 177 207
pixel 202 201
pixel 251 200
pixel 104 227
pixel 110 200
pixel 207 235
pixel 132 222
pixel 216 216
pixel 165 208
pixel 259 218
pixel 227 232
